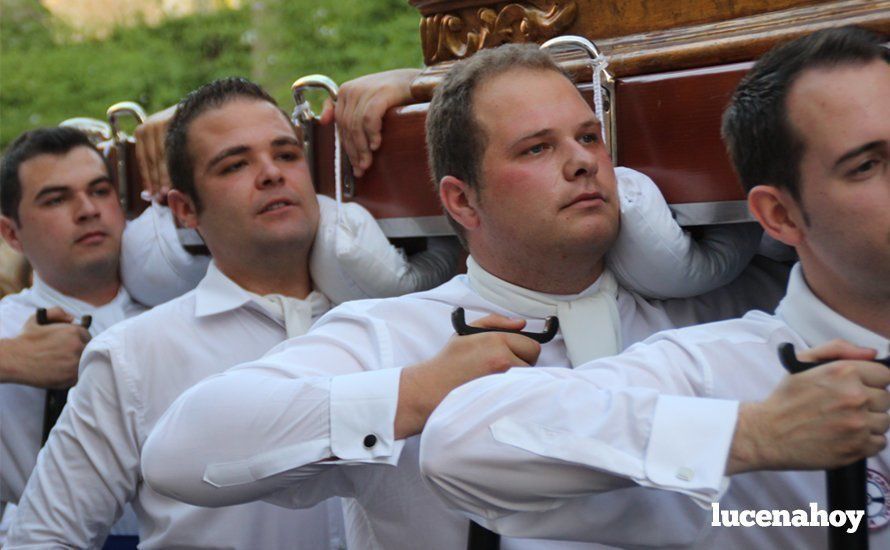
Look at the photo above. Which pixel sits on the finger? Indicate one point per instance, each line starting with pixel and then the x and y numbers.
pixel 358 138
pixel 876 444
pixel 878 423
pixel 874 375
pixel 878 399
pixel 498 322
pixel 836 349
pixel 523 347
pixel 164 184
pixel 58 315
pixel 345 107
pixel 328 114
pixel 141 158
pixel 84 334
pixel 151 158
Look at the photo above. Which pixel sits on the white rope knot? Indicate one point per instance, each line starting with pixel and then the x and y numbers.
pixel 598 64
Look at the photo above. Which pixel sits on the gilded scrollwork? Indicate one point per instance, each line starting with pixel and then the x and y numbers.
pixel 456 35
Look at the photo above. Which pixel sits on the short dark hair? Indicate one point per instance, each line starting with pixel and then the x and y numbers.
pixel 455 140
pixel 209 96
pixel 763 145
pixel 40 141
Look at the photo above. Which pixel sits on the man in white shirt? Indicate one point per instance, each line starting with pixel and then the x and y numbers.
pixel 822 102
pixel 60 209
pixel 516 152
pixel 241 180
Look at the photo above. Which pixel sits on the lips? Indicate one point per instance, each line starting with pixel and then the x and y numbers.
pixel 586 198
pixel 91 237
pixel 275 204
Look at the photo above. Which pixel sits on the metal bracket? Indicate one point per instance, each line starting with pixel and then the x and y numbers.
pixel 119 138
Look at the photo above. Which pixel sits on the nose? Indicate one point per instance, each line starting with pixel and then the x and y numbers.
pixel 270 174
pixel 87 209
pixel 581 162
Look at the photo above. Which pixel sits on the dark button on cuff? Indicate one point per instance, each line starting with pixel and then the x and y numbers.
pixel 370 441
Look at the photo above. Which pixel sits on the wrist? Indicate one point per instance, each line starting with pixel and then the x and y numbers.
pixel 411 412
pixel 749 442
pixel 11 362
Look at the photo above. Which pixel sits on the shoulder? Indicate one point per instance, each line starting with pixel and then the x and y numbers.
pixel 754 329
pixel 150 325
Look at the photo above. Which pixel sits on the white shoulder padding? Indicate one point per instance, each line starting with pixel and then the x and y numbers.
pixel 155 268
pixel 352 258
pixel 657 258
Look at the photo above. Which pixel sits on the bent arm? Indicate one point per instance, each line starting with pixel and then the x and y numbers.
pixel 530 441
pixel 274 428
pixel 84 475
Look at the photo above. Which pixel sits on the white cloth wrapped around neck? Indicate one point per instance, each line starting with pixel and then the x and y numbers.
pixel 657 258
pixel 351 258
pixel 589 321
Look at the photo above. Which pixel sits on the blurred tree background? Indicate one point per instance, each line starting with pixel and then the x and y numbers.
pixel 51 69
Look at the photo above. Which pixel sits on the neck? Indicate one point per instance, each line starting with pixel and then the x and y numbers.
pixel 551 274
pixel 863 302
pixel 285 274
pixel 94 289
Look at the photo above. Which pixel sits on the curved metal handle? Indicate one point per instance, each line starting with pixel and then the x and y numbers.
pixel 305 118
pixel 120 109
pixel 575 41
pixel 603 84
pixel 303 111
pixel 97 130
pixel 114 113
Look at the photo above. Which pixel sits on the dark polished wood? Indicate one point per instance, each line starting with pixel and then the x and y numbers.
pixel 669 129
pixel 648 36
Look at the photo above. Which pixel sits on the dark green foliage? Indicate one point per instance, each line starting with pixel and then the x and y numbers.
pixel 45 79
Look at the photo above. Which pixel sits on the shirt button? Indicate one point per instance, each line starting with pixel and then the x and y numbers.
pixel 370 441
pixel 686 474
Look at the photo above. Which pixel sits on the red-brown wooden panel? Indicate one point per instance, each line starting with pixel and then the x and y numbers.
pixel 669 128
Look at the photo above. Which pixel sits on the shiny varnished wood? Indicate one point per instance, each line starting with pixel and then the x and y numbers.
pixel 670 130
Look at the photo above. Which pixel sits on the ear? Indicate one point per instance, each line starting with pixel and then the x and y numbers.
pixel 460 201
pixel 778 212
pixel 183 208
pixel 10 231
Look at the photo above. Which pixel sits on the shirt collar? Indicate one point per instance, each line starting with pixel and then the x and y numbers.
pixel 103 316
pixel 216 293
pixel 817 323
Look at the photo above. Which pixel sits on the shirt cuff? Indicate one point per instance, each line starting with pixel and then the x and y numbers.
pixel 363 412
pixel 689 446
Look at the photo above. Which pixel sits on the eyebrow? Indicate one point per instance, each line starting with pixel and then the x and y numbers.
pixel 241 149
pixel 858 151
pixel 590 123
pixel 50 189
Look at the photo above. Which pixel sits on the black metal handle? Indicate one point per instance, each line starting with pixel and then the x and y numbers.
pixel 458 321
pixel 480 538
pixel 846 485
pixel 55 399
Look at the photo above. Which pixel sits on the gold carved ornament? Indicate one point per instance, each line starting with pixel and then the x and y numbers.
pixel 448 36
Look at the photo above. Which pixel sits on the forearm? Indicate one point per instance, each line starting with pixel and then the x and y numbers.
pixel 272 433
pixel 521 442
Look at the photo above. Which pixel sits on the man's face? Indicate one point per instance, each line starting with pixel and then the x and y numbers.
pixel 252 180
pixel 843 116
pixel 547 182
pixel 70 219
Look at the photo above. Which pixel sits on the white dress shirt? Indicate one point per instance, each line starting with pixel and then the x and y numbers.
pixel 315 417
pixel 22 407
pixel 130 374
pixel 543 464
